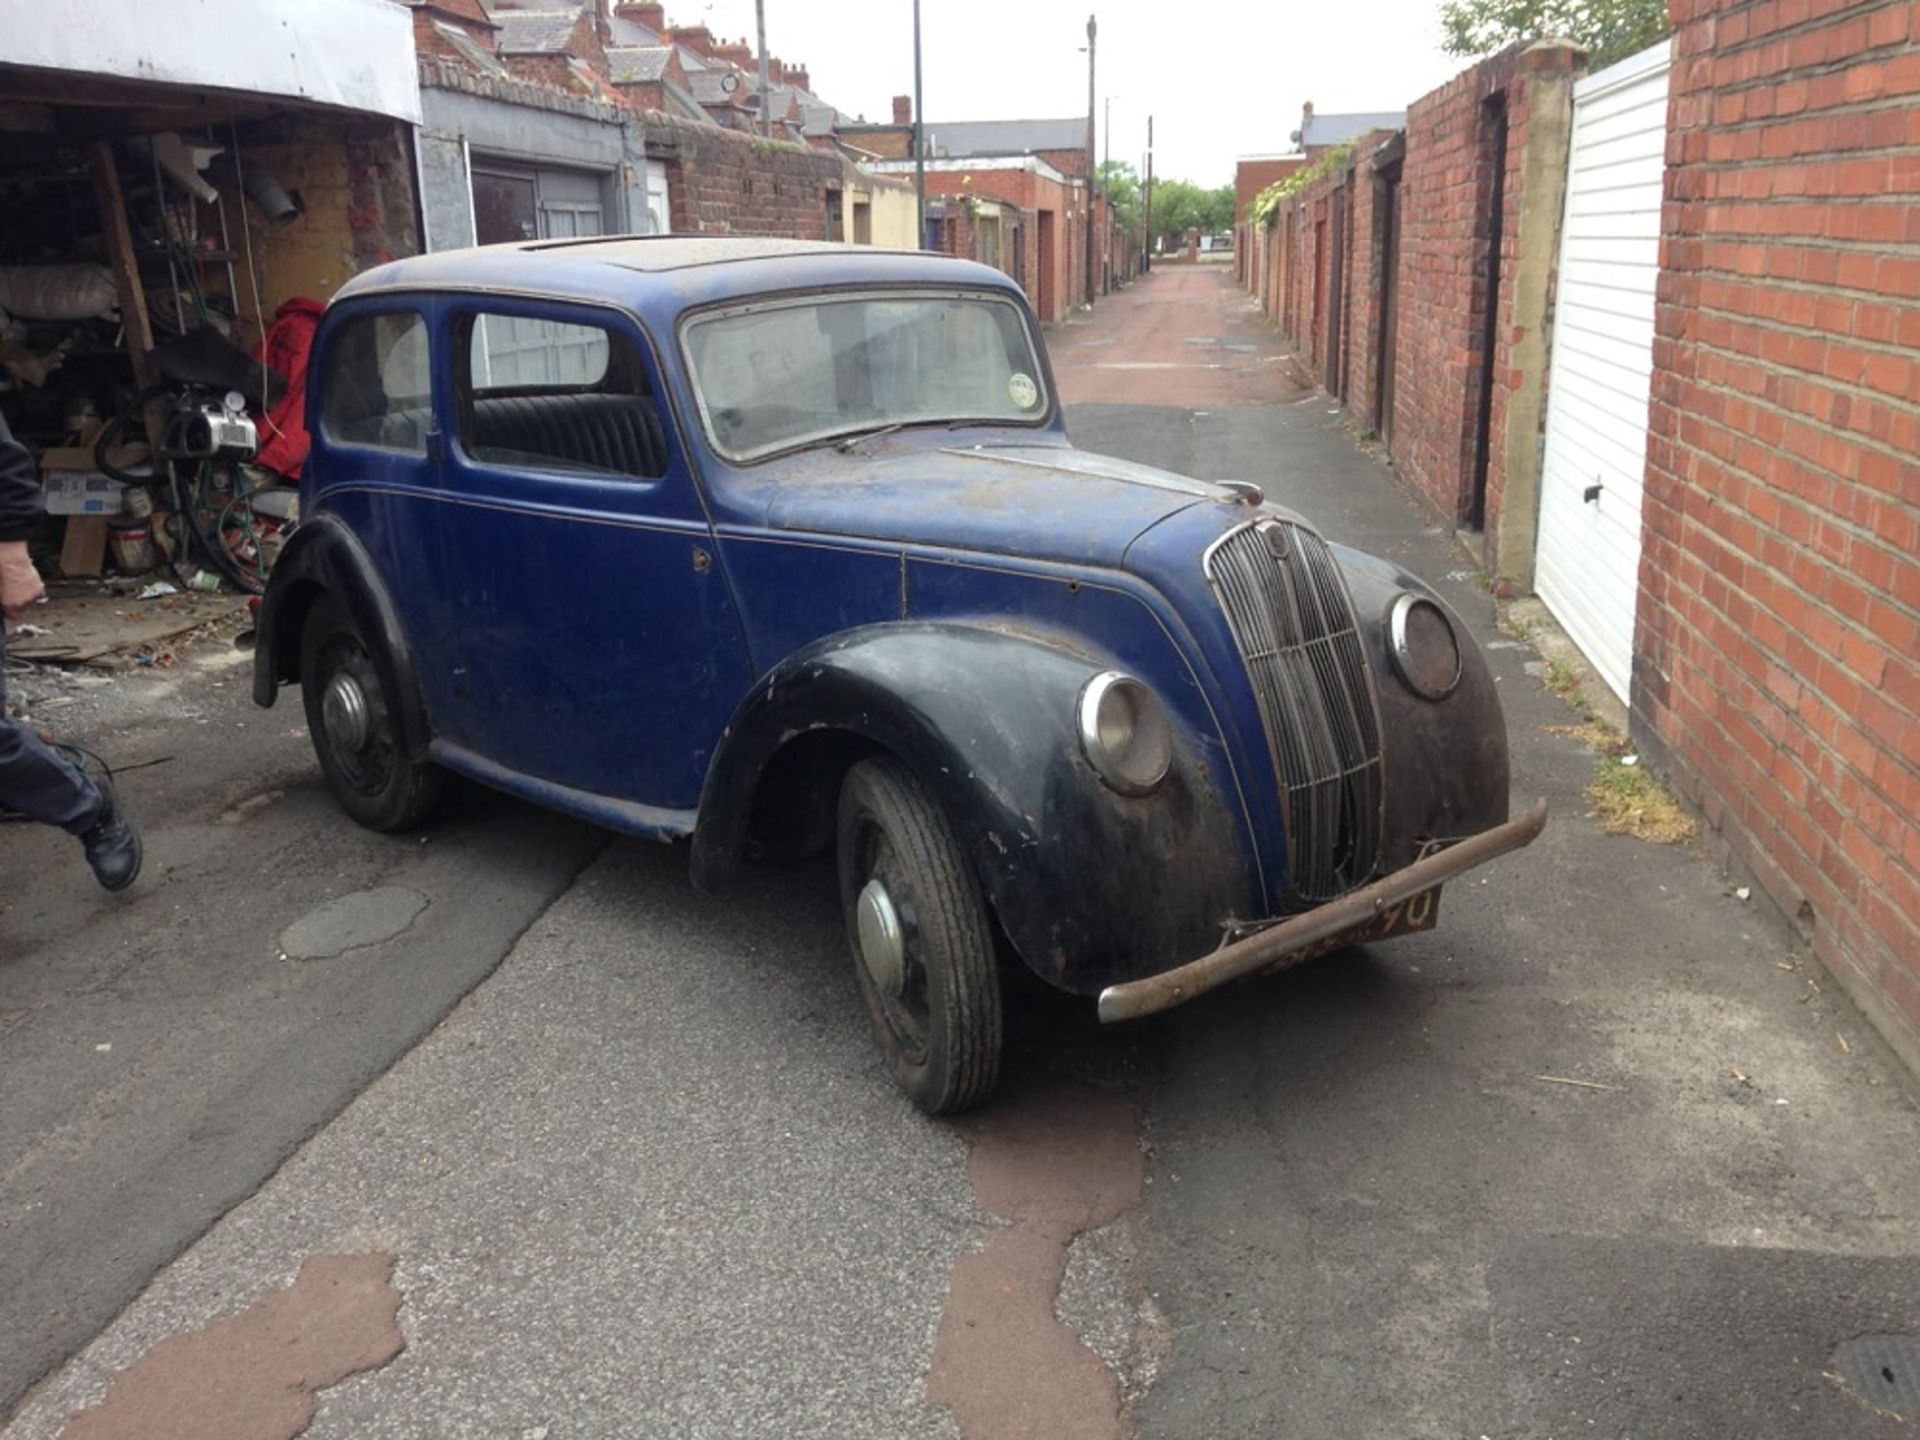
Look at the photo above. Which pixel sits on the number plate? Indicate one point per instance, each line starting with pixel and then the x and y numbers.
pixel 1409 917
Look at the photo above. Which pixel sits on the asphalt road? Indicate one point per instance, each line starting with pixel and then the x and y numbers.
pixel 160 1054
pixel 648 1177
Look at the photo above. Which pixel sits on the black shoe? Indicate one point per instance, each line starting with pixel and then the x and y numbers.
pixel 113 845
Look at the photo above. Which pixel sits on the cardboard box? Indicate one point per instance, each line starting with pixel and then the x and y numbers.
pixel 73 484
pixel 77 494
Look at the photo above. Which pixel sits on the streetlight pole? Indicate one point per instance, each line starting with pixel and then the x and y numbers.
pixel 1106 175
pixel 1146 257
pixel 1092 28
pixel 919 136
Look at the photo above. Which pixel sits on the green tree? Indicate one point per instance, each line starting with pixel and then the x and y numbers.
pixel 1181 205
pixel 1122 188
pixel 1607 30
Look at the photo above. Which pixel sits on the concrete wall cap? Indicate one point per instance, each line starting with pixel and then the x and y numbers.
pixel 1553 53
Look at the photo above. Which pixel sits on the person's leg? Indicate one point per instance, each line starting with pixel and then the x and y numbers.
pixel 39 782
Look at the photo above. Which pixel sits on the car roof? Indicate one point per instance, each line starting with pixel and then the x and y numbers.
pixel 695 269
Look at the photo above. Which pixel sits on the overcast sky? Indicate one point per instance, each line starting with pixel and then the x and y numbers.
pixel 1222 79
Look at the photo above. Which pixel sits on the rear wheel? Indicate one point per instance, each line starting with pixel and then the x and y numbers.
pixel 352 720
pixel 922 939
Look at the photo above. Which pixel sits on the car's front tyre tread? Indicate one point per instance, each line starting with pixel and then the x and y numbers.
pixel 962 1065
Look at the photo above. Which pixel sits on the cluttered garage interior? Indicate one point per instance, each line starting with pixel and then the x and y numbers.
pixel 175 210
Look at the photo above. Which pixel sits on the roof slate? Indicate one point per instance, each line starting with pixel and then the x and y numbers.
pixel 639 64
pixel 1338 129
pixel 1007 137
pixel 534 32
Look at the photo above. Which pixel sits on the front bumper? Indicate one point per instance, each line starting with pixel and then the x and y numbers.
pixel 1355 916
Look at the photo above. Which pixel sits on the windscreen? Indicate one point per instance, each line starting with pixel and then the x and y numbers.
pixel 781 375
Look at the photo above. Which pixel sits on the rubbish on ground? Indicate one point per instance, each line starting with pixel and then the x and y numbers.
pixel 1745 892
pixel 1846 1045
pixel 157 589
pixel 1582 1084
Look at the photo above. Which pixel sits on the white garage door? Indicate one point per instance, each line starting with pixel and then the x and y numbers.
pixel 1587 569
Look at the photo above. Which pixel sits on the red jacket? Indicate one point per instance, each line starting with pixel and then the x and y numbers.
pixel 283 446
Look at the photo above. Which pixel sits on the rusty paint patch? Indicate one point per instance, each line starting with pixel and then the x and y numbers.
pixel 256 1375
pixel 1055 1161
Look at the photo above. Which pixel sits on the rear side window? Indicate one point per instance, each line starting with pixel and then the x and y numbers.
pixel 377 385
pixel 545 394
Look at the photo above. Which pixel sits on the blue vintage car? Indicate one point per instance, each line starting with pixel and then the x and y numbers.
pixel 774 547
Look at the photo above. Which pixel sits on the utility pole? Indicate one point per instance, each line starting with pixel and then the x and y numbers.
pixel 919 139
pixel 766 100
pixel 1092 28
pixel 1106 172
pixel 1146 255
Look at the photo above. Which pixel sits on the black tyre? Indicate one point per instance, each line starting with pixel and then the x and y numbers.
pixel 921 937
pixel 350 716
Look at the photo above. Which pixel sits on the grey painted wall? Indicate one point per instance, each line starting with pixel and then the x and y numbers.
pixel 615 150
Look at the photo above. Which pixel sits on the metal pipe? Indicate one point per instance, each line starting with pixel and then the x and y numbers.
pixel 1289 940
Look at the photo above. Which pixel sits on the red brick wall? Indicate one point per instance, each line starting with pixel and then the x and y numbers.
pixel 1442 276
pixel 721 182
pixel 1777 653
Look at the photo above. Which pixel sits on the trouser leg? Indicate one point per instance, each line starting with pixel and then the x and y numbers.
pixel 37 781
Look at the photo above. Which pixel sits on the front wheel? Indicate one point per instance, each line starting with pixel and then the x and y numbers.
pixel 355 729
pixel 921 937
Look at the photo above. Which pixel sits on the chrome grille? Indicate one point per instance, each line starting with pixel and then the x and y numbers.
pixel 1293 623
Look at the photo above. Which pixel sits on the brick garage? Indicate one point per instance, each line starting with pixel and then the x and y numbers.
pixel 1046 200
pixel 1777 648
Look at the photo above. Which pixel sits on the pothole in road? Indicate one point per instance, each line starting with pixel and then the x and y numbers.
pixel 1884 1371
pixel 352 922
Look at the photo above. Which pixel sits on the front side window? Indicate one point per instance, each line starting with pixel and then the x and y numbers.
pixel 376 383
pixel 547 394
pixel 778 376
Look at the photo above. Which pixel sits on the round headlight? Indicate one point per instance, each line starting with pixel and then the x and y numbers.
pixel 1425 651
pixel 1125 733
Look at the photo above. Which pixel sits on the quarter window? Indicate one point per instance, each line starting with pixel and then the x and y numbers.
pixel 377 383
pixel 546 394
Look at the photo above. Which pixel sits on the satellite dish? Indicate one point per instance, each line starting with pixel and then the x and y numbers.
pixel 729 83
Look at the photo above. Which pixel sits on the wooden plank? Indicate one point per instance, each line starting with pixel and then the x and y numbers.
pixel 125 266
pixel 84 551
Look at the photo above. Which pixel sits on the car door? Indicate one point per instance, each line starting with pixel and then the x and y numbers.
pixel 589 640
pixel 372 463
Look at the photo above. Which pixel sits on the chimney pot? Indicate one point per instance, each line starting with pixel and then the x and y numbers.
pixel 696 38
pixel 903 109
pixel 650 13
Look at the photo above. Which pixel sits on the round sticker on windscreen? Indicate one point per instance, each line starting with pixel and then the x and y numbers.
pixel 1025 393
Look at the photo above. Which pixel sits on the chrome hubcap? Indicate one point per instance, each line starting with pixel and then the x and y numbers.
pixel 344 709
pixel 883 948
